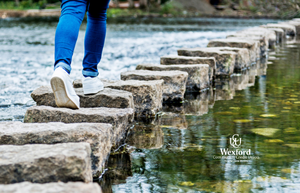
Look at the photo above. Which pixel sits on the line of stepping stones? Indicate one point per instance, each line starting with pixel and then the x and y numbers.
pixel 55 146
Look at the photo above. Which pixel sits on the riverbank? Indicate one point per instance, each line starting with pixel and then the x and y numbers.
pixel 115 13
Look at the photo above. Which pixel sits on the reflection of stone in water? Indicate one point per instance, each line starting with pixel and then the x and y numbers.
pixel 241 80
pixel 262 67
pixel 259 68
pixel 211 98
pixel 173 120
pixel 251 81
pixel 253 70
pixel 198 104
pixel 146 137
pixel 224 90
pixel 118 169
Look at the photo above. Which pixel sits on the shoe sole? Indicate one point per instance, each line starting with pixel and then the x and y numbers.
pixel 89 92
pixel 60 94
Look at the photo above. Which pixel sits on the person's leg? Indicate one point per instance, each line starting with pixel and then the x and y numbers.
pixel 94 37
pixel 72 14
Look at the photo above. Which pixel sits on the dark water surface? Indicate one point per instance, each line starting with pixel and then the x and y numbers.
pixel 180 151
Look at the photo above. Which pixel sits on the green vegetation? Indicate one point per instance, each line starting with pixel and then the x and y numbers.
pixel 117 12
pixel 180 8
pixel 171 7
pixel 29 4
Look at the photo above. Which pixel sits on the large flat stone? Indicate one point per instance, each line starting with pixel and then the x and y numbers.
pixel 40 163
pixel 225 60
pixel 98 135
pixel 251 45
pixel 174 85
pixel 280 36
pixel 187 60
pixel 119 118
pixel 288 28
pixel 198 78
pixel 264 42
pixel 296 19
pixel 242 60
pixel 147 95
pixel 110 98
pixel 269 35
pixel 53 187
pixel 296 24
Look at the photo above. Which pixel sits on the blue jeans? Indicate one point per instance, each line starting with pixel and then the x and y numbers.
pixel 72 14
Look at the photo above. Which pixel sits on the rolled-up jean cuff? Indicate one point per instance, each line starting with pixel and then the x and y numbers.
pixel 64 66
pixel 89 73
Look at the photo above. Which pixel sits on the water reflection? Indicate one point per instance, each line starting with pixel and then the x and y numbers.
pixel 173 120
pixel 118 169
pixel 146 136
pixel 260 104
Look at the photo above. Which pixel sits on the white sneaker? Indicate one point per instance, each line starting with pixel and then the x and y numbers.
pixel 91 85
pixel 63 90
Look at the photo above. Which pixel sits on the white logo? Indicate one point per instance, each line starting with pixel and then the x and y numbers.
pixel 235 141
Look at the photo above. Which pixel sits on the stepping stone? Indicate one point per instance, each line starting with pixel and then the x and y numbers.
pixel 74 187
pixel 147 95
pixel 174 85
pixel 288 28
pixel 296 24
pixel 225 60
pixel 110 98
pixel 264 42
pixel 40 163
pixel 98 135
pixel 296 19
pixel 251 45
pixel 146 137
pixel 198 78
pixel 184 60
pixel 242 60
pixel 280 36
pixel 119 118
pixel 77 83
pixel 268 34
pixel 175 108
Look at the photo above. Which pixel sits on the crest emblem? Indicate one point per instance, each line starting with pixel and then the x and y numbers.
pixel 235 141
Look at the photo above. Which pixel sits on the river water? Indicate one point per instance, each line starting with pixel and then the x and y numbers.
pixel 181 150
pixel 26 51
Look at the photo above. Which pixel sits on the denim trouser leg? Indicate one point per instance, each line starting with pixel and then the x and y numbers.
pixel 67 32
pixel 94 37
pixel 72 14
